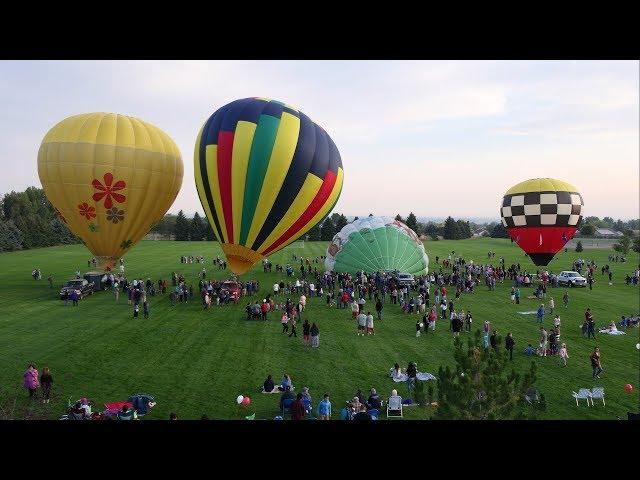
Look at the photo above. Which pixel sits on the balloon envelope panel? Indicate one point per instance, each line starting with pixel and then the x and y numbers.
pixel 541 216
pixel 265 174
pixel 377 244
pixel 111 177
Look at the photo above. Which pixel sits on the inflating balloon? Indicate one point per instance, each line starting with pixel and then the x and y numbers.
pixel 240 399
pixel 373 244
pixel 541 216
pixel 265 174
pixel 110 177
pixel 628 387
pixel 246 401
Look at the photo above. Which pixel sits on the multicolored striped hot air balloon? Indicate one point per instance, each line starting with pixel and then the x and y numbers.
pixel 265 174
pixel 541 216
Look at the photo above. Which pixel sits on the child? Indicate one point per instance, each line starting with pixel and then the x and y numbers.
pixel 418 327
pixel 136 309
pixel 285 322
pixel 563 355
pixel 529 350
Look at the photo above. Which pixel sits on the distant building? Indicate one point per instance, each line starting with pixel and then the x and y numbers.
pixel 606 233
pixel 481 233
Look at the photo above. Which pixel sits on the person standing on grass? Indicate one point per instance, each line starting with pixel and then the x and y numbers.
pixel 494 340
pixel 552 305
pixel 543 341
pixel 46 381
pixel 540 314
pixel 509 343
pixel 469 321
pixel 306 327
pixel 293 328
pixel 285 322
pixel 379 308
pixel 596 363
pixel 443 308
pixel 591 326
pixel 563 355
pixel 565 299
pixel 324 408
pixel 517 296
pixel 418 327
pixel 297 408
pixel 315 335
pixel 355 309
pixel 370 330
pixel 31 381
pixel 145 308
pixel 362 323
pixel 513 294
pixel 432 318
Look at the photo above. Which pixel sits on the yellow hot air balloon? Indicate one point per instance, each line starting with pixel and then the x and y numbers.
pixel 111 177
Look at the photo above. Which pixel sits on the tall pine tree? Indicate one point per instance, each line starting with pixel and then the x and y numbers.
pixel 327 230
pixel 449 232
pixel 182 227
pixel 399 218
pixel 197 227
pixel 412 222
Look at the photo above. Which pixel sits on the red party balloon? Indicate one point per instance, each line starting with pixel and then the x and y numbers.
pixel 628 387
pixel 246 401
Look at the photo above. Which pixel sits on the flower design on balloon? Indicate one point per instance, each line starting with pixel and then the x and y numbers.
pixel 125 244
pixel 109 190
pixel 87 210
pixel 114 215
pixel 93 227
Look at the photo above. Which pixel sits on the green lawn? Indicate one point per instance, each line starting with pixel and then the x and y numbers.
pixel 196 362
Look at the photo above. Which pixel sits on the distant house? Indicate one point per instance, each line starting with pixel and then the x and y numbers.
pixel 481 233
pixel 606 233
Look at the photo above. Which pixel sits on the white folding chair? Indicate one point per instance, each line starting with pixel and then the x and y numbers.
pixel 598 394
pixel 583 394
pixel 394 406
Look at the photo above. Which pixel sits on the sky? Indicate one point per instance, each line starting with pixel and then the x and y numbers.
pixel 434 137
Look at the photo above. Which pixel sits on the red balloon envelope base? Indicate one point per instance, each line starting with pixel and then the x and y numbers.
pixel 542 243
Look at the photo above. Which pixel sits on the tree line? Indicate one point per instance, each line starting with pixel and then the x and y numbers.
pixel 28 220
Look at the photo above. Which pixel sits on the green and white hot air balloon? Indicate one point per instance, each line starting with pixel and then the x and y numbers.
pixel 377 244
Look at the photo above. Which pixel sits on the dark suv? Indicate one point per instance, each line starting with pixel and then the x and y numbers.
pixel 85 287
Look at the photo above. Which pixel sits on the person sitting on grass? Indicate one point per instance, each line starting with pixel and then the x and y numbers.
pixel 374 400
pixel 286 383
pixel 268 386
pixel 127 413
pixel 286 395
pixel 362 414
pixel 396 371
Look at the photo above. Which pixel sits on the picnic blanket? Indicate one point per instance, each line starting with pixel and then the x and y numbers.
pixel 617 332
pixel 533 312
pixel 114 407
pixel 424 376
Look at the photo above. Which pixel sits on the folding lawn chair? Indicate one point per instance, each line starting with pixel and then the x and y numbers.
pixel 583 394
pixel 394 406
pixel 598 394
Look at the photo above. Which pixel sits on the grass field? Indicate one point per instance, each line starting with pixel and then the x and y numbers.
pixel 196 362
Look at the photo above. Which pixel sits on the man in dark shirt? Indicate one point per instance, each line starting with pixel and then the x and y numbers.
pixel 509 344
pixel 286 395
pixel 494 340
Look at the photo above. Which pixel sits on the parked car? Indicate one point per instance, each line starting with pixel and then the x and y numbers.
pixel 85 287
pixel 405 279
pixel 232 289
pixel 571 279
